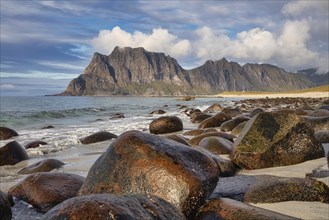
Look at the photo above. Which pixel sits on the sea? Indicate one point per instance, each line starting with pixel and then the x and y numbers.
pixel 72 118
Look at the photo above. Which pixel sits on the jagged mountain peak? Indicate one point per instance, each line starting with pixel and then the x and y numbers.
pixel 137 71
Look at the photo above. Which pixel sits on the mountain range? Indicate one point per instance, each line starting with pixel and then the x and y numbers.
pixel 135 71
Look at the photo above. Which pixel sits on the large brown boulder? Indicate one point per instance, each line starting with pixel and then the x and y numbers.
pixel 6 133
pixel 12 153
pixel 45 190
pixel 42 166
pixel 98 137
pixel 232 112
pixel 197 132
pixel 275 139
pixel 214 121
pixel 237 130
pixel 231 124
pixel 229 209
pixel 5 207
pixel 109 206
pixel 166 124
pixel 137 162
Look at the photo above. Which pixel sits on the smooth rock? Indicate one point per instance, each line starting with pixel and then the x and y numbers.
pixel 255 112
pixel 195 140
pixel 216 145
pixel 12 153
pixel 214 121
pixel 237 130
pixel 137 162
pixel 110 206
pixel 5 207
pixel 34 144
pixel 166 124
pixel 197 132
pixel 117 115
pixel 326 107
pixel 270 189
pixel 45 190
pixel 232 112
pixel 279 189
pixel 275 139
pixel 42 166
pixel 178 138
pixel 216 107
pixel 231 124
pixel 228 209
pixel 158 112
pixel 98 137
pixel 6 133
pixel 197 118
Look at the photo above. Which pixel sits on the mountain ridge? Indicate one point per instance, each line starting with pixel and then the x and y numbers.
pixel 135 71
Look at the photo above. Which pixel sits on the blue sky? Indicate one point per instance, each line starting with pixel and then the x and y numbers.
pixel 45 44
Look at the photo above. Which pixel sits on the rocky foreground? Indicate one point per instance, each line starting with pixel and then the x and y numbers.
pixel 172 173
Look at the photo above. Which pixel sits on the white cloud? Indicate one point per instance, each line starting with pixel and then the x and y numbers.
pixel 296 8
pixel 289 49
pixel 160 40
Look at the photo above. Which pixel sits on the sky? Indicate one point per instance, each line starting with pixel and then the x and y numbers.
pixel 45 44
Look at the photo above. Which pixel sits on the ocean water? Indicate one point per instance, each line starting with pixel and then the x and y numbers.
pixel 75 117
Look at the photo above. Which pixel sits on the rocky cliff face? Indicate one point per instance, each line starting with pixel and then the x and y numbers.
pixel 136 71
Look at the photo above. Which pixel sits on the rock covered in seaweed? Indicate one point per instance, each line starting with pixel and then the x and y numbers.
pixel 275 139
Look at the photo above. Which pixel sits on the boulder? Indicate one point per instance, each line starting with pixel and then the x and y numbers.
pixel 279 189
pixel 42 166
pixel 6 133
pixel 225 208
pixel 275 139
pixel 231 124
pixel 232 112
pixel 197 118
pixel 34 144
pixel 216 145
pixel 98 137
pixel 270 189
pixel 158 112
pixel 237 130
pixel 137 162
pixel 178 138
pixel 109 206
pixel 45 190
pixel 117 115
pixel 12 153
pixel 5 207
pixel 195 140
pixel 166 124
pixel 216 107
pixel 214 121
pixel 197 132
